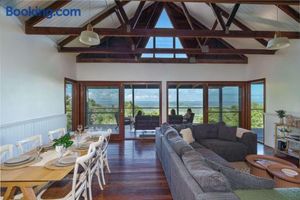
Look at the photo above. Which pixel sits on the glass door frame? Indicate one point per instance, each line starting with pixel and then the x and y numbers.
pixel 262 80
pixel 206 85
pixel 83 87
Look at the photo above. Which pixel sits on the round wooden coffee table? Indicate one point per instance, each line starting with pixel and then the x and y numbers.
pixel 258 164
pixel 281 179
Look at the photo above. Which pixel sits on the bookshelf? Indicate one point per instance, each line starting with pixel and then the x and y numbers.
pixel 287 140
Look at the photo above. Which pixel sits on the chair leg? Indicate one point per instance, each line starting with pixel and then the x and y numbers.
pixel 98 177
pixel 102 172
pixel 106 164
pixel 90 187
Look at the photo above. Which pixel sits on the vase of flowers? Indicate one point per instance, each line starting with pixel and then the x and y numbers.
pixel 281 114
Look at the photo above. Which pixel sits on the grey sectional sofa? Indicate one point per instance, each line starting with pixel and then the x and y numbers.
pixel 222 140
pixel 195 172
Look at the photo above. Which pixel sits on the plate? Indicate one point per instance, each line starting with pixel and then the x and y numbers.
pixel 68 160
pixel 31 158
pixel 19 159
pixel 289 172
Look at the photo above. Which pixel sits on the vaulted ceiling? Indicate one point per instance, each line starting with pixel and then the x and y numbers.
pixel 210 31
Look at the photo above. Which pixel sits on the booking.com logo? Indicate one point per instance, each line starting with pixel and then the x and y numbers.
pixel 36 11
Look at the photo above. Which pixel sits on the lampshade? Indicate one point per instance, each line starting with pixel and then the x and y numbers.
pixel 89 37
pixel 278 43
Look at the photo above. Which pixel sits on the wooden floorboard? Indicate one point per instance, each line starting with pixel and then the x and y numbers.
pixel 136 173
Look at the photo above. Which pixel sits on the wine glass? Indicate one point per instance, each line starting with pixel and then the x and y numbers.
pixel 38 151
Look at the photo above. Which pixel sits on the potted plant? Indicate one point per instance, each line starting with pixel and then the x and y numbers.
pixel 281 114
pixel 62 143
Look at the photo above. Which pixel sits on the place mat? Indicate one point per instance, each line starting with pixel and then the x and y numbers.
pixel 4 167
pixel 52 165
pixel 48 156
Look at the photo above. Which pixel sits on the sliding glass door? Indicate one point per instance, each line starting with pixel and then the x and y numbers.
pixel 186 96
pixel 224 105
pixel 257 108
pixel 102 108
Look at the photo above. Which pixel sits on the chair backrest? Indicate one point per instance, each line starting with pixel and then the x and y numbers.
pixel 6 152
pixel 34 141
pixel 57 133
pixel 80 176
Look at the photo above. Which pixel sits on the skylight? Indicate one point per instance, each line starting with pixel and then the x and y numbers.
pixel 164 42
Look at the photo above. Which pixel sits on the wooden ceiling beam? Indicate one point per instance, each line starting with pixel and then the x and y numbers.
pixel 269 2
pixel 137 14
pixel 290 12
pixel 188 18
pixel 161 32
pixel 239 24
pixel 122 11
pixel 218 16
pixel 101 16
pixel 194 51
pixel 232 16
pixel 80 59
pixel 54 6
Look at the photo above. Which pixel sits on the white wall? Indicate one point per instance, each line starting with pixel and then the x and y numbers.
pixel 160 72
pixel 282 73
pixel 32 74
pixel 32 83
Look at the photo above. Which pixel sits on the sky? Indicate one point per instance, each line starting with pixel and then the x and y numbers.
pixel 164 42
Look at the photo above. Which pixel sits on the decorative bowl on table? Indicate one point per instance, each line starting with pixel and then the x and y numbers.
pixel 289 172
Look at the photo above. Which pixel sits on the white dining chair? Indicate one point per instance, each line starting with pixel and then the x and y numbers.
pixel 57 133
pixel 95 164
pixel 6 152
pixel 104 156
pixel 79 181
pixel 33 141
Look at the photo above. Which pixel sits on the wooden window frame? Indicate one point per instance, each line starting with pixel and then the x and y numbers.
pixel 248 125
pixel 75 101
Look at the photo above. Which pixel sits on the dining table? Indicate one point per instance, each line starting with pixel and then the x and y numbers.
pixel 39 172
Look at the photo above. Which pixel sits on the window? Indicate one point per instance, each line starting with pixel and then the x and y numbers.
pixel 257 108
pixel 164 42
pixel 145 98
pixel 182 97
pixel 102 107
pixel 69 103
pixel 224 104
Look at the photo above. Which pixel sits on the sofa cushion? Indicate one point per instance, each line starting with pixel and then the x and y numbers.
pixel 204 131
pixel 208 179
pixel 227 133
pixel 210 155
pixel 179 145
pixel 187 135
pixel 171 133
pixel 240 180
pixel 196 145
pixel 164 127
pixel 230 151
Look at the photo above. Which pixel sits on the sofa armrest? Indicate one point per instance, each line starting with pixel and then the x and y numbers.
pixel 250 140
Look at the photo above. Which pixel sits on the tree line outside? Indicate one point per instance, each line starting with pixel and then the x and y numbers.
pixel 99 114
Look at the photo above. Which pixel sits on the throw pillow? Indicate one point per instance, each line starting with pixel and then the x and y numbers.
pixel 227 133
pixel 187 135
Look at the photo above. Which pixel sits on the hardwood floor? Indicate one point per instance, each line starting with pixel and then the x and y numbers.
pixel 136 173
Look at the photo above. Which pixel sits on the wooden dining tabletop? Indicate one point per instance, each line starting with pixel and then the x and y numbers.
pixel 28 177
